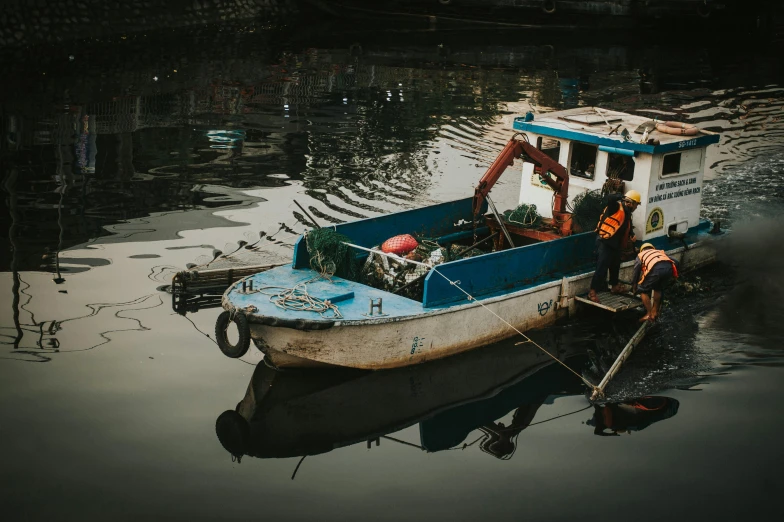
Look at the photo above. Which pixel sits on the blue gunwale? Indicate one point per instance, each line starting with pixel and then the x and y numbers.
pixel 489 283
pixel 431 221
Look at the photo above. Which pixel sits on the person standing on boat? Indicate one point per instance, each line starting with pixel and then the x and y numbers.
pixel 615 230
pixel 653 269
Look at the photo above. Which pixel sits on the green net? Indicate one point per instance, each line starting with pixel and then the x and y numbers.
pixel 524 215
pixel 427 245
pixel 329 254
pixel 459 252
pixel 587 210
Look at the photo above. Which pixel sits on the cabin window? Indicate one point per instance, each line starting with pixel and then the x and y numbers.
pixel 583 160
pixel 620 167
pixel 550 147
pixel 671 164
pixel 687 162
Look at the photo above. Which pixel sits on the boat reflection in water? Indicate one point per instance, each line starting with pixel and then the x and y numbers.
pixel 299 412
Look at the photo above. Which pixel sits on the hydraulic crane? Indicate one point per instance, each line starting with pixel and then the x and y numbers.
pixel 552 173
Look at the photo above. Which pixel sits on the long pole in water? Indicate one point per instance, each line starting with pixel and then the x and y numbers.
pixel 634 341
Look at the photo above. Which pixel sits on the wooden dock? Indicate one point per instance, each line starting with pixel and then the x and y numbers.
pixel 195 289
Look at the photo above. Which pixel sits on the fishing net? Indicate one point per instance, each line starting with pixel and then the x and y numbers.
pixel 401 245
pixel 406 279
pixel 612 186
pixel 427 246
pixel 329 254
pixel 458 252
pixel 587 209
pixel 524 216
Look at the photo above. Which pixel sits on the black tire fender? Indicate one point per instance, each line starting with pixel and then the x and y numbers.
pixel 243 343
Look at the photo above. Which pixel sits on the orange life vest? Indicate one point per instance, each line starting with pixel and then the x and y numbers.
pixel 650 257
pixel 610 225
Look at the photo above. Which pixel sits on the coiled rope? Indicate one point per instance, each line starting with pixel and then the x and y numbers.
pixel 298 299
pixel 456 284
pixel 525 215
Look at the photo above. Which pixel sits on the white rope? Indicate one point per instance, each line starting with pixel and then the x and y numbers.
pixel 472 298
pixel 507 323
pixel 392 256
pixel 298 299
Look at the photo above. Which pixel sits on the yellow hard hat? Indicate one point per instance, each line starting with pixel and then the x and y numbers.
pixel 645 246
pixel 633 195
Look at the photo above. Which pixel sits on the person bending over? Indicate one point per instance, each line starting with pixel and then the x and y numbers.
pixel 653 269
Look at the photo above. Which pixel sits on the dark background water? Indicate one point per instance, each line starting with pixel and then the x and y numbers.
pixel 125 159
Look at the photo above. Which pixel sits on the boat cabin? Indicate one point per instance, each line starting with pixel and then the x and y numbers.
pixel 600 147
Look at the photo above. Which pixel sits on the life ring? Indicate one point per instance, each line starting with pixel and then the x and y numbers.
pixel 677 128
pixel 243 343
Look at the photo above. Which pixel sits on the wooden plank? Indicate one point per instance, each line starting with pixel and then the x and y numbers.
pixel 537 234
pixel 612 302
pixel 627 350
pixel 201 281
pixel 593 303
pixel 592 119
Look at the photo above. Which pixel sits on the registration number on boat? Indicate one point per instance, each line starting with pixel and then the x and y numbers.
pixel 419 342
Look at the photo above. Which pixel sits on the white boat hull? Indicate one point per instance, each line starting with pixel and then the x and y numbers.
pixel 390 343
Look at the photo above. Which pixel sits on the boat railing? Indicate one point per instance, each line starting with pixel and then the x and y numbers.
pixel 514 268
pixel 431 221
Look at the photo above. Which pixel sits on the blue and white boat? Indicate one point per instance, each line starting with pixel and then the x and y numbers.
pixel 530 285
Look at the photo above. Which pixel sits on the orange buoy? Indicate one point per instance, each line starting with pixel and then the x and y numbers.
pixel 400 245
pixel 677 128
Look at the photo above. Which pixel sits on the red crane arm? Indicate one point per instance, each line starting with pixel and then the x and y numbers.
pixel 522 149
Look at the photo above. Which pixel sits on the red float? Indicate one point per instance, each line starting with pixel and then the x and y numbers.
pixel 399 245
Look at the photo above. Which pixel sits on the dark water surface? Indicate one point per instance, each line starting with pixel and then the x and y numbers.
pixel 123 161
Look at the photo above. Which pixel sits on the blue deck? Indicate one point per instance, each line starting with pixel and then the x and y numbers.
pixel 351 307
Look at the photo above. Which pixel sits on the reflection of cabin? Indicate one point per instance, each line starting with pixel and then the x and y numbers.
pixel 601 147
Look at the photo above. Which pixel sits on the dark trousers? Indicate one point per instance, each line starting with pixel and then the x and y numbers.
pixel 609 259
pixel 658 277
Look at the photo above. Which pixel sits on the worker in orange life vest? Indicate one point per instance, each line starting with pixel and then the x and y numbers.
pixel 615 230
pixel 653 269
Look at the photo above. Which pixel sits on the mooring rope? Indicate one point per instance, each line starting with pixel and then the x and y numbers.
pixel 298 299
pixel 456 284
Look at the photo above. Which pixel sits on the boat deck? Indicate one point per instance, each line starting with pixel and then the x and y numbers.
pixel 612 302
pixel 352 298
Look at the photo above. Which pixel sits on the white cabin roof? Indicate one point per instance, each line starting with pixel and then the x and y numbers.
pixel 595 125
